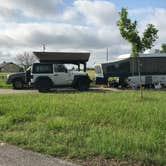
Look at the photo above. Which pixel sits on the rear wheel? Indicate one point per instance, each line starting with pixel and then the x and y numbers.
pixel 83 84
pixel 18 84
pixel 43 85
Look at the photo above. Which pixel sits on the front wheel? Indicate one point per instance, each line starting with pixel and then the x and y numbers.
pixel 17 84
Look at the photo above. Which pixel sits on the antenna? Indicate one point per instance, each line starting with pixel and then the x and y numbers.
pixel 44 47
pixel 107 55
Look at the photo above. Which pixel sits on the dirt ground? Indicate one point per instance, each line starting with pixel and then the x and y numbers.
pixel 13 91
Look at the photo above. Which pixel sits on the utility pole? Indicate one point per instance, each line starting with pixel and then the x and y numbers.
pixel 107 55
pixel 44 47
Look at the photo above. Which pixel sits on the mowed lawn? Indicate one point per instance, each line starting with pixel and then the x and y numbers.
pixel 85 125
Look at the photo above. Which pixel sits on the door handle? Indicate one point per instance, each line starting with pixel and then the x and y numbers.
pixel 55 74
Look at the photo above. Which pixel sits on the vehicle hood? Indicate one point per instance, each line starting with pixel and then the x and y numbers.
pixel 17 74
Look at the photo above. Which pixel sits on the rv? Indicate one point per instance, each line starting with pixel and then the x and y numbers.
pixel 152 70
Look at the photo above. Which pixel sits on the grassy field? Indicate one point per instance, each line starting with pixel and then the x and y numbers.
pixel 86 125
pixel 3 80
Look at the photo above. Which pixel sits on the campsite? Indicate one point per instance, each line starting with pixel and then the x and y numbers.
pixel 97 126
pixel 82 83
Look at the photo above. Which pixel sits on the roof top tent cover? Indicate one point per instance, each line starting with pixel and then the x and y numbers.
pixel 64 57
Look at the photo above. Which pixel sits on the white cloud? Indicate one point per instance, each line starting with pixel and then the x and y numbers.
pixel 157 17
pixel 101 13
pixel 35 8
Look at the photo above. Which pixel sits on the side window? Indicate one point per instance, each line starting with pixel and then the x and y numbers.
pixel 59 68
pixel 43 68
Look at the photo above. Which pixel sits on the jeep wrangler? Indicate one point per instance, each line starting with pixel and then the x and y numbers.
pixel 46 76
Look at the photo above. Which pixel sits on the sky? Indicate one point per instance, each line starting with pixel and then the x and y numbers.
pixel 74 25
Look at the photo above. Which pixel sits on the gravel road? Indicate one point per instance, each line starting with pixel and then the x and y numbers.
pixel 13 156
pixel 12 91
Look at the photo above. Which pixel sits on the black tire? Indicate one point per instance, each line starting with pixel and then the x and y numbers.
pixel 44 85
pixel 18 84
pixel 83 84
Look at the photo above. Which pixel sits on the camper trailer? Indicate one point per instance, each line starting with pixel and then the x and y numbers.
pixel 152 70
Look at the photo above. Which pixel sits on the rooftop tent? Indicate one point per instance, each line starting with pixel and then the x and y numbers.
pixel 63 57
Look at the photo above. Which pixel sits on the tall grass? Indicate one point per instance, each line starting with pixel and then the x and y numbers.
pixel 80 125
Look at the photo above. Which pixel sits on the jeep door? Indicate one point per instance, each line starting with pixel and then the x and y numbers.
pixel 61 75
pixel 42 70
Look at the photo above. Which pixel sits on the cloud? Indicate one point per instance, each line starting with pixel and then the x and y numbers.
pixel 5 56
pixel 33 8
pixel 154 16
pixel 100 13
pixel 59 35
pixel 158 20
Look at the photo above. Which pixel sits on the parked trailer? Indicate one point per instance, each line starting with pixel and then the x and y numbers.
pixel 152 69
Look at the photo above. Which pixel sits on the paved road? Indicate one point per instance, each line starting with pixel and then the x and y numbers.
pixel 12 91
pixel 13 156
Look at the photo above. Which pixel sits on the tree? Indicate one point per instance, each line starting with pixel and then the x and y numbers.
pixel 129 32
pixel 25 60
pixel 163 48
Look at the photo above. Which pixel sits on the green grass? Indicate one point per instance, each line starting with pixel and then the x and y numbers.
pixel 80 125
pixel 3 84
pixel 3 81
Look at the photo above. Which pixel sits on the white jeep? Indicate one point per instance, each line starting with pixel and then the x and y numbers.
pixel 44 76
